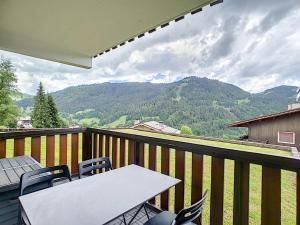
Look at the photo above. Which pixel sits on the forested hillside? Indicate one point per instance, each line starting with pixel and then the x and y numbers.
pixel 203 104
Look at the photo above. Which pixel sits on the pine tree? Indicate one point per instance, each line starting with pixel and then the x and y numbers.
pixel 8 109
pixel 40 114
pixel 54 120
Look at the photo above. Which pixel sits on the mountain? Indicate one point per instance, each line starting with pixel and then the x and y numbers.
pixel 203 104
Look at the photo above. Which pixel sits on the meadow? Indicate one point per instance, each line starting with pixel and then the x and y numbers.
pixel 288 179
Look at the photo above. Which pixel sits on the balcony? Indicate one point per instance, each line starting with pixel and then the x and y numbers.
pixel 245 187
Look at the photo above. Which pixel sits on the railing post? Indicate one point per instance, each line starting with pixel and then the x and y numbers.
pixel 131 152
pixel 2 148
pixel 271 196
pixel 298 199
pixel 241 193
pixel 19 146
pixel 179 174
pixel 137 153
pixel 217 191
pixel 122 152
pixel 87 144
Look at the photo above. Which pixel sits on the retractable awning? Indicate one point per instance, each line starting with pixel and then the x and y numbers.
pixel 75 31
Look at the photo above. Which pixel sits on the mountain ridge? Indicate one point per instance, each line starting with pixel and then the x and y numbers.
pixel 205 105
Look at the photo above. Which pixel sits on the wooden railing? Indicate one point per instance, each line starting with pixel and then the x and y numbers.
pixel 48 146
pixel 176 158
pixel 184 160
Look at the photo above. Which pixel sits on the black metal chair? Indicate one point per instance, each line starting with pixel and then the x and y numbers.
pixel 89 166
pixel 41 179
pixel 185 216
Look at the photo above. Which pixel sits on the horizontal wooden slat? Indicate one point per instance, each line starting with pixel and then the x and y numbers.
pixel 39 132
pixel 271 196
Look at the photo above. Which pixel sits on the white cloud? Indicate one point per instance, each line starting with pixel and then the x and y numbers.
pixel 253 44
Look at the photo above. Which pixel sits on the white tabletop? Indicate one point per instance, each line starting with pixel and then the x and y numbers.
pixel 97 199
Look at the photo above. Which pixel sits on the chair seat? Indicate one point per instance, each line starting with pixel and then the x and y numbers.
pixel 163 218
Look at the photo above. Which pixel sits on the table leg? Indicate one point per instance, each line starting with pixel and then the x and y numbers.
pixel 124 219
pixel 137 212
pixel 146 211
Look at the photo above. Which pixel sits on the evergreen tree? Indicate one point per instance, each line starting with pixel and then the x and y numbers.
pixel 40 115
pixel 44 113
pixel 54 120
pixel 8 109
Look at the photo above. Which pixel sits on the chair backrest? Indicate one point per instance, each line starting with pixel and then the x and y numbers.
pixel 190 214
pixel 43 178
pixel 94 164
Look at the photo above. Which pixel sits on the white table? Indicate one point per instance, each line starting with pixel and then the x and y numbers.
pixel 97 199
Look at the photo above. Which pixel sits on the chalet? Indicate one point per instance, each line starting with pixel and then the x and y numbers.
pixel 24 122
pixel 281 128
pixel 156 126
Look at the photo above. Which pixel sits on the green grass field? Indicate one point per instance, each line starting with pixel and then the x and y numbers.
pixel 120 121
pixel 207 142
pixel 288 179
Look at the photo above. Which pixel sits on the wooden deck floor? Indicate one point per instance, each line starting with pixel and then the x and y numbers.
pixel 9 205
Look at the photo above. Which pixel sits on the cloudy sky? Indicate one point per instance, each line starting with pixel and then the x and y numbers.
pixel 254 44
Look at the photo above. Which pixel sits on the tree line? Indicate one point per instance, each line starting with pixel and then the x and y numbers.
pixel 44 113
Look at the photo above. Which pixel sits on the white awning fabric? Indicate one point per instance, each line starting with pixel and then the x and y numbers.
pixel 75 31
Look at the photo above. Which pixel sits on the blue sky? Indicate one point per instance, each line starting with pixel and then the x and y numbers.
pixel 254 44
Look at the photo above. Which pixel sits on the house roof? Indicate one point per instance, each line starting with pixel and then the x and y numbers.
pixel 25 118
pixel 245 123
pixel 160 127
pixel 73 32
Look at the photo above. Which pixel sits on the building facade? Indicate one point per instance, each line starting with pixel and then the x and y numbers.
pixel 280 128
